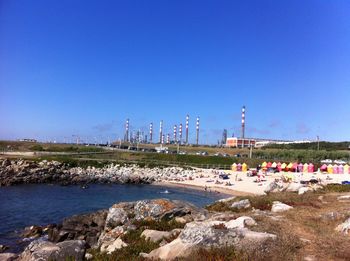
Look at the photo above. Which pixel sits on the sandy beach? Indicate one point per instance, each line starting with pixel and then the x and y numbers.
pixel 242 185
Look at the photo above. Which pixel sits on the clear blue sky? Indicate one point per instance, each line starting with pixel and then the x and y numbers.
pixel 70 67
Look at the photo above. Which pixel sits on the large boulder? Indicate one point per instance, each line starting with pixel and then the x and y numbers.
pixel 8 257
pixel 115 245
pixel 45 251
pixel 242 204
pixel 207 234
pixel 157 236
pixel 86 227
pixel 344 227
pixel 116 216
pixel 280 207
pixel 294 187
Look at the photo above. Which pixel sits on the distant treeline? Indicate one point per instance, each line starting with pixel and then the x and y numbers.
pixel 300 155
pixel 323 145
pixel 53 148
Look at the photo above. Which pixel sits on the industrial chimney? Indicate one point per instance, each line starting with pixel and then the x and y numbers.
pixel 126 137
pixel 161 138
pixel 243 122
pixel 197 131
pixel 150 132
pixel 187 120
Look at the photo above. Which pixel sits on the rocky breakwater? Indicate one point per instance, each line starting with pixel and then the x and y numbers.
pixel 148 229
pixel 25 171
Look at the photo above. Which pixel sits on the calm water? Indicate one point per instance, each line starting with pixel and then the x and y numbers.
pixel 26 205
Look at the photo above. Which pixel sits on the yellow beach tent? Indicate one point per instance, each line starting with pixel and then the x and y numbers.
pixel 330 169
pixel 234 167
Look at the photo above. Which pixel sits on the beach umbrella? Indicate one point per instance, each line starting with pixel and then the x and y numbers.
pixel 311 168
pixel 335 169
pixel 279 166
pixel 305 166
pixel 239 167
pixel 340 169
pixel 324 168
pixel 274 165
pixel 330 168
pixel 346 169
pixel 300 167
pixel 244 167
pixel 234 167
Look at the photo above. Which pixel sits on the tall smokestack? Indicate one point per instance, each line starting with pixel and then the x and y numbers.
pixel 187 120
pixel 180 133
pixel 175 133
pixel 197 130
pixel 168 138
pixel 243 122
pixel 161 139
pixel 150 132
pixel 126 137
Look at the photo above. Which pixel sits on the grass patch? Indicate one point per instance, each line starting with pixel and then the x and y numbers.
pixel 162 225
pixel 264 202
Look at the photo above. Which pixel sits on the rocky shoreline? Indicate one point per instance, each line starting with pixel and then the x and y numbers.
pixel 182 228
pixel 20 171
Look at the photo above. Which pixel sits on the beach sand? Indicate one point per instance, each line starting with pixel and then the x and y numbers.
pixel 242 185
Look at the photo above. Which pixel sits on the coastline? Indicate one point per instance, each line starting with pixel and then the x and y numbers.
pixel 213 189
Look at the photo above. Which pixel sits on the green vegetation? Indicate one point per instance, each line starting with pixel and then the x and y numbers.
pixel 264 202
pixel 162 225
pixel 323 145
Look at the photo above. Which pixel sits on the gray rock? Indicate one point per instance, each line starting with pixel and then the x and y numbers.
pixel 44 251
pixel 207 234
pixel 280 207
pixel 156 236
pixel 344 197
pixel 3 248
pixel 8 257
pixel 294 187
pixel 87 227
pixel 242 204
pixel 344 227
pixel 116 216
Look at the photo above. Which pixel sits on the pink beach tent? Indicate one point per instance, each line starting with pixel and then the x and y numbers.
pixel 335 169
pixel 300 167
pixel 340 169
pixel 311 168
pixel 323 168
pixel 269 165
pixel 239 167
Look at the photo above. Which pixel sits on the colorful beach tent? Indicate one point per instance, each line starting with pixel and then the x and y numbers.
pixel 234 167
pixel 283 166
pixel 311 168
pixel 305 167
pixel 244 167
pixel 346 169
pixel 263 165
pixel 295 166
pixel 300 167
pixel 330 168
pixel 290 167
pixel 279 166
pixel 274 165
pixel 239 167
pixel 335 169
pixel 323 168
pixel 269 165
pixel 340 169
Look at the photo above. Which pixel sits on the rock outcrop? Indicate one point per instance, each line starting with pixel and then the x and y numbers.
pixel 207 234
pixel 44 250
pixel 25 171
pixel 279 207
